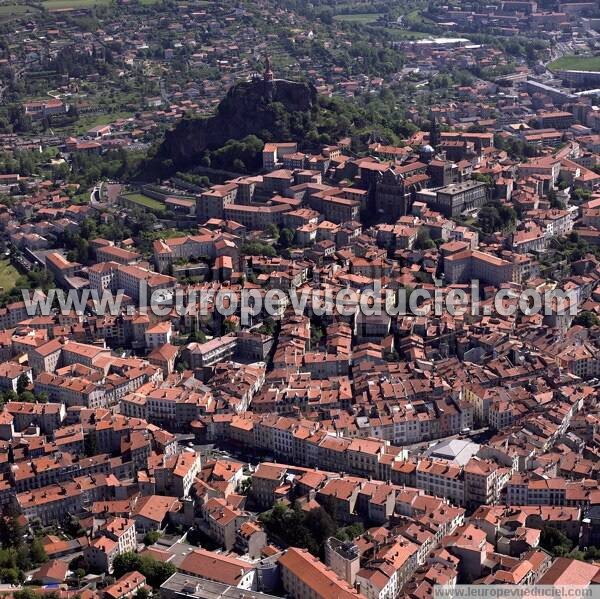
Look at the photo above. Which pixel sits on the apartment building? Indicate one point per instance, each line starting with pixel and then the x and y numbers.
pixel 211 203
pixel 121 530
pixel 203 355
pixel 167 251
pixel 441 478
pixel 111 253
pixel 52 503
pixel 46 357
pixel 61 268
pixel 222 521
pixel 47 417
pixel 273 154
pixel 10 373
pixel 556 119
pixel 82 353
pixel 343 558
pixel 42 471
pixel 216 567
pixel 387 572
pixel 71 391
pixel 126 586
pixel 546 166
pixel 117 536
pixel 483 481
pixel 135 282
pixel 306 577
pixel 177 473
pixel 456 198
pixel 547 491
pixel 256 217
pixel 467 265
pixel 158 335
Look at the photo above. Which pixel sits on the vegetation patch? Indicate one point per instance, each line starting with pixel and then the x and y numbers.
pixel 576 63
pixel 12 11
pixel 8 275
pixel 147 202
pixel 360 18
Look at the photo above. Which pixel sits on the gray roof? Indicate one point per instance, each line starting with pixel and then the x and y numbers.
pixel 455 450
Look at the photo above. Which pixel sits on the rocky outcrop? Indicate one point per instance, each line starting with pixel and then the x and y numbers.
pixel 270 110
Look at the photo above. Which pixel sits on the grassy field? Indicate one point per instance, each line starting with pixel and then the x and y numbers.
pixel 406 34
pixel 76 4
pixel 142 200
pixel 8 275
pixel 416 18
pixel 576 63
pixel 89 121
pixel 72 4
pixel 360 18
pixel 12 11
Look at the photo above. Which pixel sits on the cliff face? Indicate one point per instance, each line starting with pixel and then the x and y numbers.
pixel 281 110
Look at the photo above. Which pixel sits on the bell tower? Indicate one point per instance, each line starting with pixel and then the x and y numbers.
pixel 268 74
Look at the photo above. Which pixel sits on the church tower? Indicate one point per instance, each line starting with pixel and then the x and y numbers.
pixel 434 133
pixel 268 74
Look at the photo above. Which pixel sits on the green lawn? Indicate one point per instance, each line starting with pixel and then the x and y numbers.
pixel 406 34
pixel 576 63
pixel 75 4
pixel 361 18
pixel 12 11
pixel 143 200
pixel 72 4
pixel 414 17
pixel 88 121
pixel 8 275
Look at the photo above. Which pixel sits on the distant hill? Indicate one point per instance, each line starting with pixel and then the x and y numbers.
pixel 280 110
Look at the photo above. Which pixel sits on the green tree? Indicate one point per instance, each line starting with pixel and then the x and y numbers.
pixel 487 179
pixel 229 326
pixel 300 529
pixel 156 572
pixel 11 531
pixel 22 383
pixel 127 562
pixel 587 319
pixel 286 237
pixel 26 593
pixel 496 216
pixel 37 551
pixel 272 230
pixel 151 537
pixel 90 445
pixel 554 541
pixel 256 248
pixel 554 201
pixel 27 396
pixel 424 241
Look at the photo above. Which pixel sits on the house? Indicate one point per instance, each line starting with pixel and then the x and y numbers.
pixel 571 572
pixel 152 512
pixel 52 572
pixel 10 373
pixel 164 357
pixel 219 568
pixel 126 586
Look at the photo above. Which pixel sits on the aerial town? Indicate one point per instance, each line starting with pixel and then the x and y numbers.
pixel 298 299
